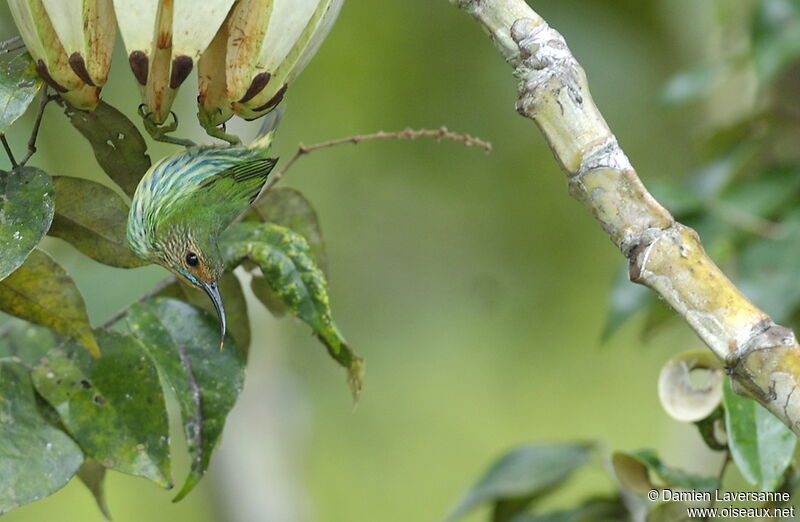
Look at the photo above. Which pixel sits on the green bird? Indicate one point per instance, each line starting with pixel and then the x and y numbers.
pixel 185 201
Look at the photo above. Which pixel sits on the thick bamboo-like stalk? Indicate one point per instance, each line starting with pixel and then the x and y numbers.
pixel 762 357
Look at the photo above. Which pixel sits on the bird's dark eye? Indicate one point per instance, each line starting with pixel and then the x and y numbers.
pixel 191 259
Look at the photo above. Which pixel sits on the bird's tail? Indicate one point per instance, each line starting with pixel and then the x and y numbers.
pixel 263 139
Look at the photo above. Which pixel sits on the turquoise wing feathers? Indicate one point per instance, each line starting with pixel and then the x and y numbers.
pixel 206 186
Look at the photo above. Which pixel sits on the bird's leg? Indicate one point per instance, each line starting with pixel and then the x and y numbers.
pixel 216 131
pixel 159 132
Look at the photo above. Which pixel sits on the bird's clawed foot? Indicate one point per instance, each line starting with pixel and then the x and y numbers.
pixel 217 131
pixel 160 131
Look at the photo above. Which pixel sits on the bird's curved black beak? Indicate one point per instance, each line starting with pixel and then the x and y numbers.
pixel 212 289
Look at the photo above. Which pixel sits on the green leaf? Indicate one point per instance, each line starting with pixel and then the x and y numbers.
pixel 26 341
pixel 626 299
pixel 633 470
pixel 775 37
pixel 289 208
pixel 19 84
pixel 768 272
pixel 669 512
pixel 766 193
pixel 710 180
pixel 689 85
pixel 659 314
pixel 112 406
pixel 676 197
pixel 268 297
pixel 92 474
pixel 184 343
pixel 525 472
pixel 593 510
pixel 761 445
pixel 93 219
pixel 288 266
pixel 118 147
pixel 40 291
pixel 26 210
pixel 709 427
pixel 235 306
pixel 36 459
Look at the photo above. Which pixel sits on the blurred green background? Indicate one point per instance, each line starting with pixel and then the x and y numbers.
pixel 473 285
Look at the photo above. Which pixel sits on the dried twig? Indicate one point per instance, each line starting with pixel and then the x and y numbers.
pixel 442 133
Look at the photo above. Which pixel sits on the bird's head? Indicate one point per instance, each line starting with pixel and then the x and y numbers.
pixel 196 262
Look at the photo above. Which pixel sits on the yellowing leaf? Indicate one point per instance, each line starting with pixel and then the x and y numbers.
pixel 40 291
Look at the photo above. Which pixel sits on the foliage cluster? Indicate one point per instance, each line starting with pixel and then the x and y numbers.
pixel 77 399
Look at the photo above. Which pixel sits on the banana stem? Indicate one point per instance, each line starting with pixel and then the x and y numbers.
pixel 762 357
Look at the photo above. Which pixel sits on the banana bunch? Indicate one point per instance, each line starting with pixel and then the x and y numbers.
pixel 71 42
pixel 246 52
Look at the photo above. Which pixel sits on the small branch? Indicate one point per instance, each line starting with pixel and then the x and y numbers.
pixel 9 153
pixel 442 133
pixel 150 293
pixel 44 99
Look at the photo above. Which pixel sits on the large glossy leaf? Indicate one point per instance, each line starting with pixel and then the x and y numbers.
pixel 36 459
pixel 761 445
pixel 93 219
pixel 113 406
pixel 235 306
pixel 118 146
pixel 184 343
pixel 19 84
pixel 524 473
pixel 288 207
pixel 288 266
pixel 40 291
pixel 28 342
pixel 26 210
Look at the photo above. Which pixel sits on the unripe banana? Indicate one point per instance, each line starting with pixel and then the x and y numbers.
pixel 86 29
pixel 164 39
pixel 71 42
pixel 269 42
